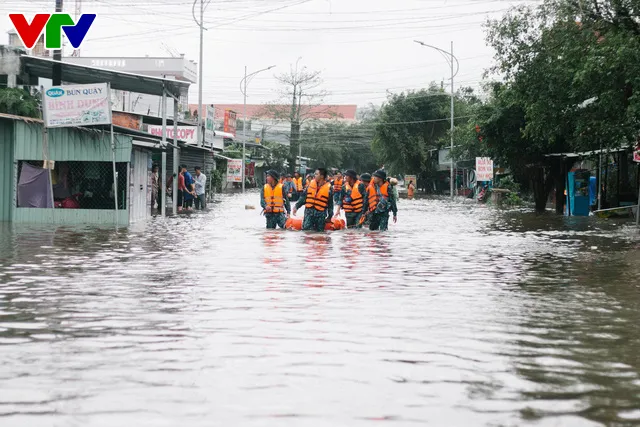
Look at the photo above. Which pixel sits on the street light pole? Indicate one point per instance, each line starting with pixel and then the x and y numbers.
pixel 243 89
pixel 453 58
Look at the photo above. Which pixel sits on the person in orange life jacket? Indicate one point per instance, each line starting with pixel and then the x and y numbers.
pixel 274 201
pixel 366 180
pixel 318 201
pixel 297 179
pixel 338 183
pixel 381 201
pixel 353 199
pixel 307 182
pixel 290 188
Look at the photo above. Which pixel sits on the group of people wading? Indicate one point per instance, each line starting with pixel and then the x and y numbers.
pixel 366 200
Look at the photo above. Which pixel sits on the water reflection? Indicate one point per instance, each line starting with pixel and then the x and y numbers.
pixel 459 316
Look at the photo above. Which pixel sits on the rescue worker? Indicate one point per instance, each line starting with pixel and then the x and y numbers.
pixel 274 201
pixel 297 179
pixel 307 182
pixel 290 188
pixel 381 201
pixel 318 201
pixel 337 188
pixel 353 199
pixel 366 180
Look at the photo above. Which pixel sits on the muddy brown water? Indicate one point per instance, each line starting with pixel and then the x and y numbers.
pixel 460 315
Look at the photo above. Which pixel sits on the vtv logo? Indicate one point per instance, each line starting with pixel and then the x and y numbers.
pixel 53 24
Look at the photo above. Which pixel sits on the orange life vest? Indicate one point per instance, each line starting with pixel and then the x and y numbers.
pixel 317 198
pixel 337 185
pixel 357 199
pixel 273 198
pixel 374 197
pixel 298 182
pixel 410 190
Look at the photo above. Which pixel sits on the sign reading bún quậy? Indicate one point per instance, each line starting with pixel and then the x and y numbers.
pixel 77 105
pixel 484 169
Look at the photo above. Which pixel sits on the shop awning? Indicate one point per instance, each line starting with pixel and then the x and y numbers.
pixel 82 74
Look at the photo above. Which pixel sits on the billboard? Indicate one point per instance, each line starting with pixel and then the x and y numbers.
pixel 230 122
pixel 234 170
pixel 484 169
pixel 77 105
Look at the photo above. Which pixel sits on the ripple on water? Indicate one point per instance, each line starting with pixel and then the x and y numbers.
pixel 461 315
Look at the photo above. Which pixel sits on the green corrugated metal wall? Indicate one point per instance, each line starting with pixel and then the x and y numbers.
pixel 69 144
pixel 6 169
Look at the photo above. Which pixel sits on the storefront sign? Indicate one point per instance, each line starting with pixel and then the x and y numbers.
pixel 484 169
pixel 234 170
pixel 187 134
pixel 209 128
pixel 636 154
pixel 230 122
pixel 77 105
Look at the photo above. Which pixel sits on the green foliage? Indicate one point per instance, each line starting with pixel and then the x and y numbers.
pixel 340 145
pixel 557 55
pixel 18 102
pixel 217 177
pixel 276 156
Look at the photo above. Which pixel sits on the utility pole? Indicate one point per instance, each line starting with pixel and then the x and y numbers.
pixel 57 56
pixel 244 129
pixel 201 25
pixel 452 112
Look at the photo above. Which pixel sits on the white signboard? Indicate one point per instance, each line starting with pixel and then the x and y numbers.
pixel 410 178
pixel 209 126
pixel 187 134
pixel 77 105
pixel 484 169
pixel 234 170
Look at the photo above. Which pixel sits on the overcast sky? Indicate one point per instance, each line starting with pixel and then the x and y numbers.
pixel 364 48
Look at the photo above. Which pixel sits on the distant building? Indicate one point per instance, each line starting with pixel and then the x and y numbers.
pixel 263 120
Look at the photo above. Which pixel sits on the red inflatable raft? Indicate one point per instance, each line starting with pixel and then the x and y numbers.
pixel 335 224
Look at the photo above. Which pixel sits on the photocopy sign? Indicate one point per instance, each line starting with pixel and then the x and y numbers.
pixel 185 133
pixel 234 170
pixel 77 105
pixel 484 169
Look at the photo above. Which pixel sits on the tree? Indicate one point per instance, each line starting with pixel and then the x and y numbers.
pixel 18 102
pixel 276 155
pixel 301 95
pixel 341 145
pixel 553 58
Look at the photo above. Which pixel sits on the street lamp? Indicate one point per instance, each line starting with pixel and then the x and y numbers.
pixel 243 89
pixel 450 60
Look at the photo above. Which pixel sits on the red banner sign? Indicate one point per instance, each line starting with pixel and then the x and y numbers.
pixel 230 122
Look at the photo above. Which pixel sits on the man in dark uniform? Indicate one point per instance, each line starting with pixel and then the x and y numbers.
pixel 381 201
pixel 318 201
pixel 353 199
pixel 365 219
pixel 274 201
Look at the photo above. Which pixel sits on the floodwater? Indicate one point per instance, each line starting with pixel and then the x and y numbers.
pixel 460 315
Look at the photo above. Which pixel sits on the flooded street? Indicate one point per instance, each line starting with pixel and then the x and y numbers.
pixel 460 315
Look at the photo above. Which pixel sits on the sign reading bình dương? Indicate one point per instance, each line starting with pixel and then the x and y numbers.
pixel 484 169
pixel 77 105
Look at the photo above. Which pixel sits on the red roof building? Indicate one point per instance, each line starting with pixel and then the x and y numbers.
pixel 260 111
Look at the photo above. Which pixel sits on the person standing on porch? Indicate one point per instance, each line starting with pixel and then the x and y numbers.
pixel 200 183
